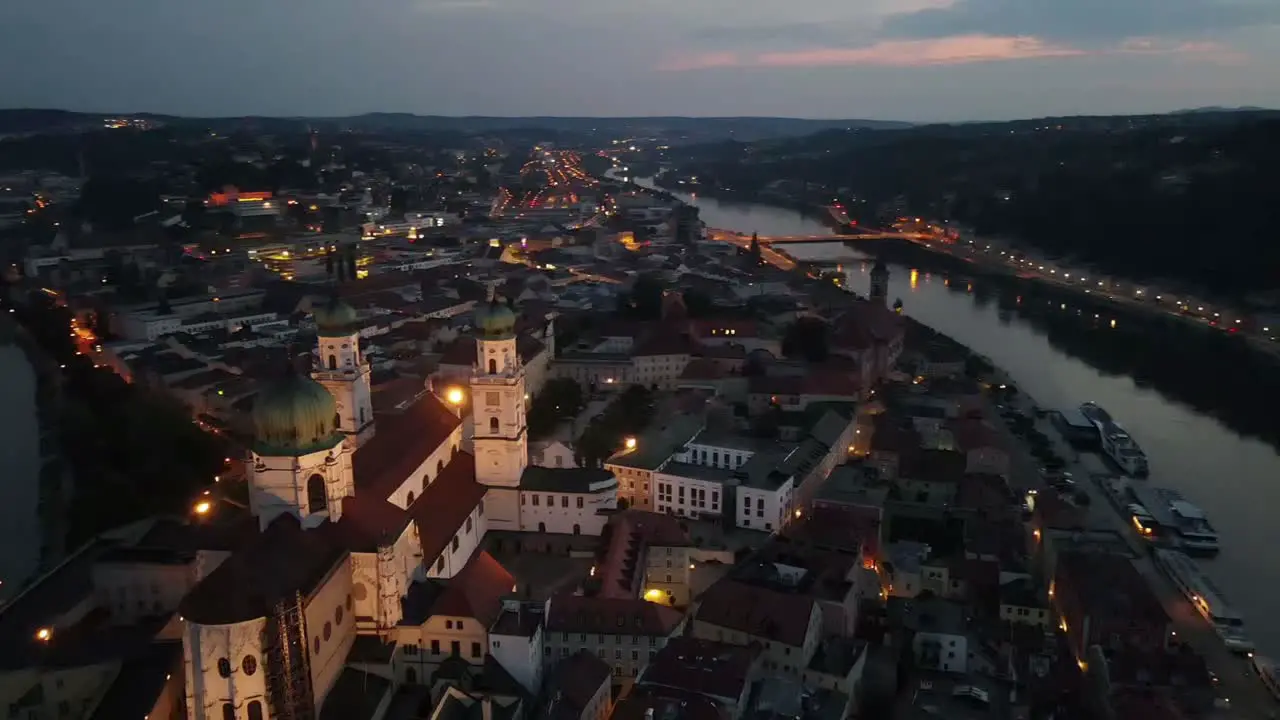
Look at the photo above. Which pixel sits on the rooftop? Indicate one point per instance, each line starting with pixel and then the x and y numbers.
pixel 403 439
pixel 757 611
pixel 575 683
pixel 566 480
pixel 614 616
pixel 704 667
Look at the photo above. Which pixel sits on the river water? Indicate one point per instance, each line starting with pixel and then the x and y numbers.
pixel 1063 356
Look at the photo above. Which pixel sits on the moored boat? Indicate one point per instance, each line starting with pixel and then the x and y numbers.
pixel 1116 443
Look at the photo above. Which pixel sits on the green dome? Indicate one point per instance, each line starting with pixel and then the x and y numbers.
pixel 294 416
pixel 495 319
pixel 335 317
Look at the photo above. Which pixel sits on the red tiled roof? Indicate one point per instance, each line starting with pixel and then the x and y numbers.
pixel 667 342
pixel 892 434
pixel 757 611
pixel 282 560
pixel 401 442
pixel 974 434
pixel 369 521
pixel 932 466
pixel 617 616
pixel 701 369
pixel 665 702
pixel 702 666
pixel 626 538
pixel 445 504
pixel 578 678
pixel 1108 587
pixel 864 325
pixel 476 591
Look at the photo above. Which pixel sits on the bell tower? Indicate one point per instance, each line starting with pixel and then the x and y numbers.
pixel 879 282
pixel 342 368
pixel 498 413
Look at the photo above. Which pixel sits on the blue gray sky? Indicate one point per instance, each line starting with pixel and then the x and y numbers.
pixel 919 60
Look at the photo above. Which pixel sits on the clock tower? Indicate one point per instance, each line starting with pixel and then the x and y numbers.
pixel 341 367
pixel 498 414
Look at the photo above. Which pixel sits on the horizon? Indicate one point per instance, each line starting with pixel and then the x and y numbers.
pixel 913 123
pixel 918 61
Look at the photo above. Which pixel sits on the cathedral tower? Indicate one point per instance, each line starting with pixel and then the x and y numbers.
pixel 498 413
pixel 301 463
pixel 341 367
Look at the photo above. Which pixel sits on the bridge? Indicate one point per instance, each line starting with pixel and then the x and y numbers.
pixel 729 235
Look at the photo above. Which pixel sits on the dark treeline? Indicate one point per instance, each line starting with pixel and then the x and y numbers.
pixel 1185 198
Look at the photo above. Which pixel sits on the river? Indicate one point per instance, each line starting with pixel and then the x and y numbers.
pixel 1063 356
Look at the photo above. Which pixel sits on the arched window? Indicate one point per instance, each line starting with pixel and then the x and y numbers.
pixel 542 527
pixel 249 665
pixel 409 499
pixel 228 711
pixel 224 667
pixel 255 710
pixel 577 529
pixel 333 362
pixel 493 424
pixel 493 366
pixel 317 500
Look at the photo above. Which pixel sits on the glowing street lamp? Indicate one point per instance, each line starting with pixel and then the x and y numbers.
pixel 631 443
pixel 454 396
pixel 203 507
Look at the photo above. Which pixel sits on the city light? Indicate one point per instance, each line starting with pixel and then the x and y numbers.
pixel 44 634
pixel 454 396
pixel 203 507
pixel 631 443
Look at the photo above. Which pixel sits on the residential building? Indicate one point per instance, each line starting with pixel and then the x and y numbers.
pixel 722 672
pixel 516 641
pixel 787 626
pixel 934 630
pixel 624 632
pixel 580 689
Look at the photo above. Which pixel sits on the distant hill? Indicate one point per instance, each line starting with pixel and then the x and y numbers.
pixel 696 128
pixel 1219 109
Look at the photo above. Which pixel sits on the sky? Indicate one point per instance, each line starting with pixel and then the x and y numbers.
pixel 914 60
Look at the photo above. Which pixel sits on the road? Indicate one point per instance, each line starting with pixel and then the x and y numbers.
pixel 1130 295
pixel 1247 697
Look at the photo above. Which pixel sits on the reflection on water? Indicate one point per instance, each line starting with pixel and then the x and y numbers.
pixel 748 217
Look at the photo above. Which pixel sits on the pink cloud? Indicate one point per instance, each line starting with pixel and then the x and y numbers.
pixel 956 50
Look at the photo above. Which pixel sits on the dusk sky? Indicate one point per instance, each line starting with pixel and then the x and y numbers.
pixel 918 60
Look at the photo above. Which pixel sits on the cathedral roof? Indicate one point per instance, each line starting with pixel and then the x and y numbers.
pixel 494 319
pixel 283 560
pixel 476 591
pixel 444 506
pixel 335 317
pixel 294 415
pixel 403 440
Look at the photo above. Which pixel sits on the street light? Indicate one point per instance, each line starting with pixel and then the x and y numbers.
pixel 454 396
pixel 203 507
pixel 631 443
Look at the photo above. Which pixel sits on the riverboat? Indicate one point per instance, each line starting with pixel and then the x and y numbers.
pixel 1116 443
pixel 1207 599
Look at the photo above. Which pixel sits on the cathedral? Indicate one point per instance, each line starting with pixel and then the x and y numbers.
pixel 357 505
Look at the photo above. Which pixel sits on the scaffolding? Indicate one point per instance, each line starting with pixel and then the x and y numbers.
pixel 288 663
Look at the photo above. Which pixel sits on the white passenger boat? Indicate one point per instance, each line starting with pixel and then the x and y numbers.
pixel 1195 532
pixel 1116 443
pixel 1207 599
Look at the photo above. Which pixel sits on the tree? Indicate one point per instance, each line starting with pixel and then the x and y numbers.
pixel 807 338
pixel 560 399
pixel 644 302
